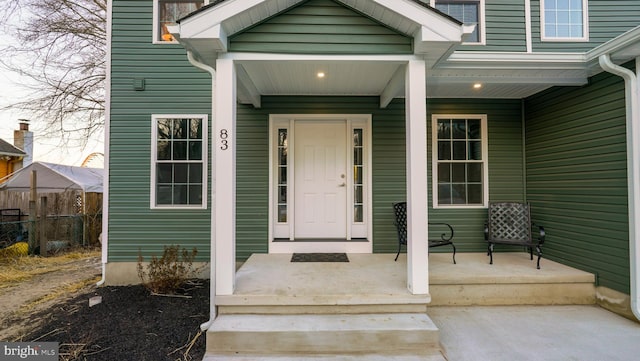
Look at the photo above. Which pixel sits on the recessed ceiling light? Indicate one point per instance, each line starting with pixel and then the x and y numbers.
pixel 320 74
pixel 477 86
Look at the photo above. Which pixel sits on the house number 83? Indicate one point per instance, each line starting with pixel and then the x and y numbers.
pixel 224 139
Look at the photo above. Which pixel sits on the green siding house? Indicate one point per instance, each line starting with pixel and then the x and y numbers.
pixel 281 126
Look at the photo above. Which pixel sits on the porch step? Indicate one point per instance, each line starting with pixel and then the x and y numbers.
pixel 512 279
pixel 317 336
pixel 332 357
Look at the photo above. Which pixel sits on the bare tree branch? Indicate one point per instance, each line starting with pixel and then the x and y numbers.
pixel 59 46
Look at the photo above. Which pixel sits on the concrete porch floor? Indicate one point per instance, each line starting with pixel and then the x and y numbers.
pixel 271 279
pixel 506 311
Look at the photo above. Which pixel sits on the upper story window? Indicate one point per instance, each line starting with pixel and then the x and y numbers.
pixel 167 12
pixel 564 20
pixel 459 161
pixel 178 169
pixel 467 11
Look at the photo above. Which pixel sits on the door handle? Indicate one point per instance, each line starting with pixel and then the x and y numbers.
pixel 342 185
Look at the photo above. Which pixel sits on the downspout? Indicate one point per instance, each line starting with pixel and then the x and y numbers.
pixel 633 168
pixel 212 268
pixel 104 236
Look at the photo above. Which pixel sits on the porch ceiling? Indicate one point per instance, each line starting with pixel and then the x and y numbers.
pixel 373 78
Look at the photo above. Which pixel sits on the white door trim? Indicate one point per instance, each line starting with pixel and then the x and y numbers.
pixel 359 235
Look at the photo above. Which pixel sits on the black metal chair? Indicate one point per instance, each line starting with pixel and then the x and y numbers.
pixel 446 238
pixel 510 223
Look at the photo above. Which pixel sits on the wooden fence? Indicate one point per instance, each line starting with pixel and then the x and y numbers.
pixel 70 216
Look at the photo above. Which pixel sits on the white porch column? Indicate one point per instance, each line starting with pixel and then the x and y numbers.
pixel 417 202
pixel 224 159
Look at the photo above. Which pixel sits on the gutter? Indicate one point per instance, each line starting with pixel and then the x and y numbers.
pixel 632 95
pixel 212 285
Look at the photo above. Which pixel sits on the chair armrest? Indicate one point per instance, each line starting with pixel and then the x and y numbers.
pixel 486 231
pixel 443 236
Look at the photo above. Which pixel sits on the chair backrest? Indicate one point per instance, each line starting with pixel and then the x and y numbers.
pixel 509 221
pixel 400 209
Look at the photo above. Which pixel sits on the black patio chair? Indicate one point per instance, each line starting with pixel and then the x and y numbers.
pixel 510 223
pixel 446 238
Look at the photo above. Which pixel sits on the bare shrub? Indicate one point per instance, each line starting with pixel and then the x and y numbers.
pixel 165 275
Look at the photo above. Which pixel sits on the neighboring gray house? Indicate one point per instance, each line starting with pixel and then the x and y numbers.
pixel 281 126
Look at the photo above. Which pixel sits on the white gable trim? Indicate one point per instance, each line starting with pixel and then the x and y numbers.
pixel 205 32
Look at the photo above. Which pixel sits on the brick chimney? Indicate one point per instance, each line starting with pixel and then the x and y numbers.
pixel 23 139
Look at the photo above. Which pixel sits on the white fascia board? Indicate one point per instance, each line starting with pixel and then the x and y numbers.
pixel 417 13
pixel 225 10
pixel 402 58
pixel 542 78
pixel 215 36
pixel 502 60
pixel 628 40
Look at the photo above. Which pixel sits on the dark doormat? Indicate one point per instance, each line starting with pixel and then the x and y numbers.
pixel 319 257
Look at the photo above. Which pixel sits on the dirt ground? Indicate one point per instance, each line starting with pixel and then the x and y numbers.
pixel 128 324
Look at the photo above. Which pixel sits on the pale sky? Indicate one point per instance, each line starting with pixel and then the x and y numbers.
pixel 45 149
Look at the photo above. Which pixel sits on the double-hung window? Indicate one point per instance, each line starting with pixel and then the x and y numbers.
pixel 469 12
pixel 167 12
pixel 178 169
pixel 564 20
pixel 459 161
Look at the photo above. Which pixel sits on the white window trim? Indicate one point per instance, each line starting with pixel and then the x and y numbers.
pixel 154 152
pixel 434 160
pixel 156 30
pixel 585 27
pixel 481 18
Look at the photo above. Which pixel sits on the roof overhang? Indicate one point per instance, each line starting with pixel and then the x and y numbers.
pixel 205 32
pixel 451 73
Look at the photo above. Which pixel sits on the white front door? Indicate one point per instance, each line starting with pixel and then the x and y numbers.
pixel 320 176
pixel 320 188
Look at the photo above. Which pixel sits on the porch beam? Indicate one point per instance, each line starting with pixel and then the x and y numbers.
pixel 393 88
pixel 247 91
pixel 224 196
pixel 416 135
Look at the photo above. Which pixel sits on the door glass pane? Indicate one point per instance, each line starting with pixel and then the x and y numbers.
pixel 357 137
pixel 282 213
pixel 358 175
pixel 282 169
pixel 357 213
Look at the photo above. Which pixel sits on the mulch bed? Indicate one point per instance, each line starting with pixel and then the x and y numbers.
pixel 129 324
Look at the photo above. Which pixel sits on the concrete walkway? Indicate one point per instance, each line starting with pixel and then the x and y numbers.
pixel 522 333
